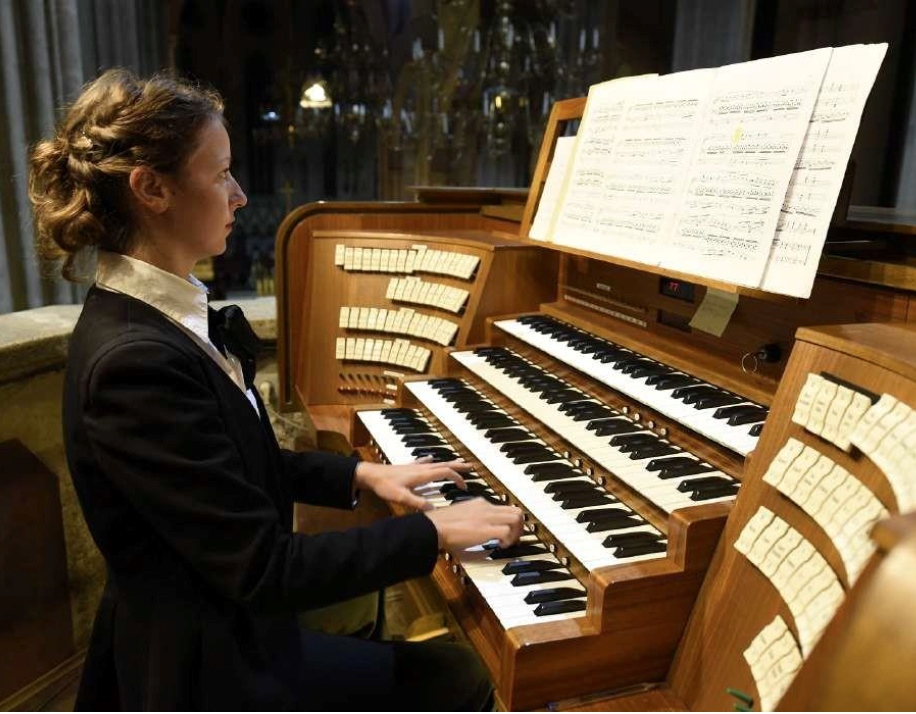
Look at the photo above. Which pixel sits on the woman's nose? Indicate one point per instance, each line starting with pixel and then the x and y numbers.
pixel 239 198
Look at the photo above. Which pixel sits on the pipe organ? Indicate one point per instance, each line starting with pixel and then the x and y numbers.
pixel 698 507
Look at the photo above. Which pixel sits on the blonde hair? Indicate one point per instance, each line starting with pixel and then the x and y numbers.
pixel 79 179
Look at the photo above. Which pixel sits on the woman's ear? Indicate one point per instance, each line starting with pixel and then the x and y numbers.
pixel 149 189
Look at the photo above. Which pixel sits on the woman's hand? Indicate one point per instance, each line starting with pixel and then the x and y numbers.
pixel 476 521
pixel 395 484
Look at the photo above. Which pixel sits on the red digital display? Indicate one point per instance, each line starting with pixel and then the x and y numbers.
pixel 676 289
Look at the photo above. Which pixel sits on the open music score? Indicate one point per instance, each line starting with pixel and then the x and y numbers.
pixel 696 174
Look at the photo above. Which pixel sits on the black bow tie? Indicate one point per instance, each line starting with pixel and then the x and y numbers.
pixel 229 330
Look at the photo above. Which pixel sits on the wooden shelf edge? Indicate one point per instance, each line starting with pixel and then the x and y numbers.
pixel 891 275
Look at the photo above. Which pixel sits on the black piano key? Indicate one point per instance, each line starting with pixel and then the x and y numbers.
pixel 575 407
pixel 397 422
pixel 473 407
pixel 612 355
pixel 599 412
pixel 596 514
pixel 534 457
pixel 492 420
pixel 539 385
pixel 438 453
pixel 535 577
pixel 628 365
pixel 557 470
pixel 512 448
pixel 689 395
pixel 660 449
pixel 650 370
pixel 585 500
pixel 747 417
pixel 717 400
pixel 703 482
pixel 561 395
pixel 570 486
pixel 459 394
pixel 630 551
pixel 556 475
pixel 476 487
pixel 440 382
pixel 726 412
pixel 554 594
pixel 664 382
pixel 683 471
pixel 411 429
pixel 632 440
pixel 491 350
pixel 423 440
pixel 525 566
pixel 517 551
pixel 710 493
pixel 583 494
pixel 558 607
pixel 636 537
pixel 617 426
pixel 597 423
pixel 459 496
pixel 671 462
pixel 395 411
pixel 501 436
pixel 613 524
pixel 630 448
pixel 756 429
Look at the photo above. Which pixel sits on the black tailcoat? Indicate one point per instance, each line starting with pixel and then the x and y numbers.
pixel 190 500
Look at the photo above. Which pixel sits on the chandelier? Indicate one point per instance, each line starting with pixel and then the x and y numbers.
pixel 478 86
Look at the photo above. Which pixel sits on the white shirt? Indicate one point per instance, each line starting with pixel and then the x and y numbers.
pixel 182 300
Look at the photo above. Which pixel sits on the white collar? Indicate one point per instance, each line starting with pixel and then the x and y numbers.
pixel 184 300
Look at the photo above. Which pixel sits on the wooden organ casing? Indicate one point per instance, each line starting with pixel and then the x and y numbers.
pixel 663 633
pixel 480 224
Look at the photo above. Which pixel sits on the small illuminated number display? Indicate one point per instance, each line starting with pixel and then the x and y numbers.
pixel 676 288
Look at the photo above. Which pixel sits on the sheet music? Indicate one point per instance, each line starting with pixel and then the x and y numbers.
pixel 575 224
pixel 553 189
pixel 750 138
pixel 818 175
pixel 649 162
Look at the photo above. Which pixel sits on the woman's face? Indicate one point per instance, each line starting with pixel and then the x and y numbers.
pixel 205 197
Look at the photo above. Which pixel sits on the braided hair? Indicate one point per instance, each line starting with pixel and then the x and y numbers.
pixel 79 179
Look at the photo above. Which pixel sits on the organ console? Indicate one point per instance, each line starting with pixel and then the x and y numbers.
pixel 698 507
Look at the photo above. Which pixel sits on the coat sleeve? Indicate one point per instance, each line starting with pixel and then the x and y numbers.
pixel 157 433
pixel 319 478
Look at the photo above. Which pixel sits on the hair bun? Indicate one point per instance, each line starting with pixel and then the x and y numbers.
pixel 79 181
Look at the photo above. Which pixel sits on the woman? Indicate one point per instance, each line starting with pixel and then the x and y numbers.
pixel 180 479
